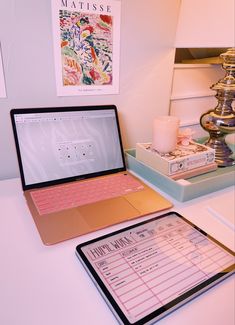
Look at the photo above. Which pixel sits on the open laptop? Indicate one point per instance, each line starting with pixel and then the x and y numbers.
pixel 67 156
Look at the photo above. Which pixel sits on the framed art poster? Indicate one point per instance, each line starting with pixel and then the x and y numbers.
pixel 2 81
pixel 86 36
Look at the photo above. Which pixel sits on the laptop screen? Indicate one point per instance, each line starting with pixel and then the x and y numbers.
pixel 55 145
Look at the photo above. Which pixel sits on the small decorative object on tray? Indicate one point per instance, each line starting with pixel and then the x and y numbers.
pixel 187 160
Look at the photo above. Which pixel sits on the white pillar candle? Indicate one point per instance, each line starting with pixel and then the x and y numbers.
pixel 165 131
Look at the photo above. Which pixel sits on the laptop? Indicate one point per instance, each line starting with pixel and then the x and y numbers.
pixel 73 171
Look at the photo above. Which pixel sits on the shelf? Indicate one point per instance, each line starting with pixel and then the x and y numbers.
pixel 192 95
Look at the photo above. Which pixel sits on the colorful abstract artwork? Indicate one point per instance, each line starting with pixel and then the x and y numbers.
pixel 86 46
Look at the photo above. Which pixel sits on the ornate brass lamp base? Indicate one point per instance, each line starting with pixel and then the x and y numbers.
pixel 222 151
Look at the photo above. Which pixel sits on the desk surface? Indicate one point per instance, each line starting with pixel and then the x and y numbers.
pixel 48 285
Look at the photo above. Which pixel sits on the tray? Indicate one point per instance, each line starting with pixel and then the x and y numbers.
pixel 182 190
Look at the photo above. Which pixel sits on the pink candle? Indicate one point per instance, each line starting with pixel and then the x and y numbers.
pixel 165 131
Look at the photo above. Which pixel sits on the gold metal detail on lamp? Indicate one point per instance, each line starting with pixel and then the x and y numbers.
pixel 221 120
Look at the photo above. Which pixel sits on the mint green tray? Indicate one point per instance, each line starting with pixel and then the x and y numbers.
pixel 196 186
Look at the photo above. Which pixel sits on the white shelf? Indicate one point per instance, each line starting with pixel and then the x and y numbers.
pixel 193 95
pixel 193 65
pixel 189 123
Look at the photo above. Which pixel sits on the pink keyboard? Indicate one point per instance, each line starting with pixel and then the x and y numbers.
pixel 69 195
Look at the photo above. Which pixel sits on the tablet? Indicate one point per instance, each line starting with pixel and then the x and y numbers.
pixel 151 268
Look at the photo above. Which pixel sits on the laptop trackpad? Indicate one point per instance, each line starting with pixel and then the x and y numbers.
pixel 105 213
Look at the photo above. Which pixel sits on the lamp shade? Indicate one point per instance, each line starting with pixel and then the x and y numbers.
pixel 206 23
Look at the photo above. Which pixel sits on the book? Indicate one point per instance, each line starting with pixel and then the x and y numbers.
pixel 180 162
pixel 195 171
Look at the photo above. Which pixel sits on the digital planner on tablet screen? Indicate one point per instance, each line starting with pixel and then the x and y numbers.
pixel 149 269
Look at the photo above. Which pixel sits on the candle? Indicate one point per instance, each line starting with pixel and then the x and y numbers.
pixel 165 131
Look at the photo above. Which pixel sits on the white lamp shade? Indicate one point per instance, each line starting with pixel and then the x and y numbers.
pixel 206 23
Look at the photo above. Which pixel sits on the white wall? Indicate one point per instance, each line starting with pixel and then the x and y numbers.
pixel 146 63
pixel 206 23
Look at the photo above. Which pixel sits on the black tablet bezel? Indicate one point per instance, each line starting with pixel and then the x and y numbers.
pixel 169 307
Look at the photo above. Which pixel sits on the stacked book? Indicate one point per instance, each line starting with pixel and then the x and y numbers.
pixel 184 162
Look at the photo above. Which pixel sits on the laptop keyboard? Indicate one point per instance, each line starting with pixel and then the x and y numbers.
pixel 69 195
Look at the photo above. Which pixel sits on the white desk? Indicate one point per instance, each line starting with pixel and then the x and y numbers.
pixel 46 285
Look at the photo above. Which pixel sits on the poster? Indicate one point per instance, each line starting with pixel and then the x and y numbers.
pixel 86 36
pixel 2 81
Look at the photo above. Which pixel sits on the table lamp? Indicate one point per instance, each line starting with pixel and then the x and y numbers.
pixel 220 121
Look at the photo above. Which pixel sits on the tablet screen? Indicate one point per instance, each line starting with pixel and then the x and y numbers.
pixel 147 270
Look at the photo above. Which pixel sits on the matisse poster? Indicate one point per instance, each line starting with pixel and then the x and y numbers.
pixel 86 36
